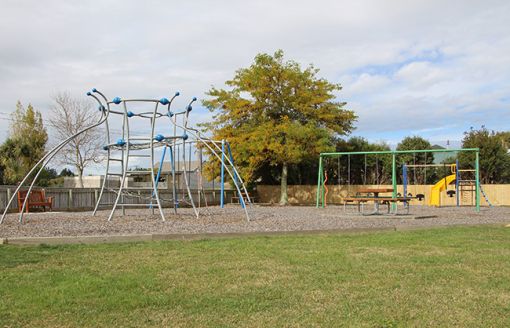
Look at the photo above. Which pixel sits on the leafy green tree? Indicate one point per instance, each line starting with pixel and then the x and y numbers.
pixel 494 158
pixel 2 173
pixel 418 175
pixel 277 114
pixel 66 173
pixel 47 176
pixel 25 146
pixel 369 169
pixel 505 138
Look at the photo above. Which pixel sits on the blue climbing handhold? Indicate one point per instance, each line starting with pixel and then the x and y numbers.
pixel 189 108
pixel 101 108
pixel 116 100
pixel 164 101
pixel 120 142
pixel 89 94
pixel 159 137
pixel 170 114
pixel 130 114
pixel 177 93
pixel 185 136
pixel 194 98
pixel 94 90
pixel 105 147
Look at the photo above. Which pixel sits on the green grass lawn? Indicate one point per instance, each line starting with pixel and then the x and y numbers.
pixel 441 277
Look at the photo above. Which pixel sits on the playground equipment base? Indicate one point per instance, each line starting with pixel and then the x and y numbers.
pixel 231 220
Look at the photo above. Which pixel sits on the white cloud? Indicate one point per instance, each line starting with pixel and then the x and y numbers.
pixel 420 74
pixel 406 66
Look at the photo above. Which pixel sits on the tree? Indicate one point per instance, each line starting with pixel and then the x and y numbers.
pixel 376 169
pixel 505 138
pixel 69 117
pixel 46 177
pixel 25 145
pixel 421 175
pixel 494 159
pixel 276 114
pixel 66 173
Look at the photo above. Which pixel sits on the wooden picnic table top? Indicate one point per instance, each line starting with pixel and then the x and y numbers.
pixel 376 199
pixel 375 190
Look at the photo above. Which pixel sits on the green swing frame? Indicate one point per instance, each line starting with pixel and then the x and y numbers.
pixel 320 201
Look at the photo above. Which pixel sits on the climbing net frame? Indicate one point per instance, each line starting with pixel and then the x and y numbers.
pixel 127 143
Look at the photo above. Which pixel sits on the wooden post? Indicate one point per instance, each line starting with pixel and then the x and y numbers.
pixel 70 199
pixel 8 196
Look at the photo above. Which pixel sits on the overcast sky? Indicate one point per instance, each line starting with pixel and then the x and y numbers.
pixel 432 68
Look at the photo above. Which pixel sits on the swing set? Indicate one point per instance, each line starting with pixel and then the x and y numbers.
pixel 372 172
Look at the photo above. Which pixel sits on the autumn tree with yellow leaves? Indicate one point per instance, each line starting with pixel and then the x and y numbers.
pixel 276 113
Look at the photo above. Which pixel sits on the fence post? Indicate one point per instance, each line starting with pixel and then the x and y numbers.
pixel 8 196
pixel 70 199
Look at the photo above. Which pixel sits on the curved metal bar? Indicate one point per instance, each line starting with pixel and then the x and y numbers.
pixel 170 103
pixel 107 169
pixel 153 178
pixel 197 135
pixel 45 160
pixel 101 94
pixel 172 163
pixel 188 110
pixel 228 170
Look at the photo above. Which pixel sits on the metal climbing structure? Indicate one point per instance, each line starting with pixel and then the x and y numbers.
pixel 174 135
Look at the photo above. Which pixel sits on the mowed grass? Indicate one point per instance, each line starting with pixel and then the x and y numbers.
pixel 442 277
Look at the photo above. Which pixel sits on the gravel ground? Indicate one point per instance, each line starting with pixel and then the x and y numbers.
pixel 232 220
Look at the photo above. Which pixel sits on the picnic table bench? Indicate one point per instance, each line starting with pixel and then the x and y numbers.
pixel 378 201
pixel 236 199
pixel 37 198
pixel 365 195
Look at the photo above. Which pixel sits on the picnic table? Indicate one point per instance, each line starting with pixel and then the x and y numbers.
pixel 364 195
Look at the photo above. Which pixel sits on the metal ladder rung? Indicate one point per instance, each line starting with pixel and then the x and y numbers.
pixel 115 174
pixel 139 155
pixel 132 205
pixel 115 160
pixel 137 188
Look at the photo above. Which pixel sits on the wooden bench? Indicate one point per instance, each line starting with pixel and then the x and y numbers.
pixel 237 199
pixel 37 198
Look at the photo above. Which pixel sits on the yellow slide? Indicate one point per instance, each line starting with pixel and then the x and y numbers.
pixel 435 191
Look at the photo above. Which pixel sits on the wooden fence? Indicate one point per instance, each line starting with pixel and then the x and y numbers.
pixel 84 199
pixel 498 194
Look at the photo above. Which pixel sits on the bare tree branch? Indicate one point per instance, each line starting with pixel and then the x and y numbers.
pixel 69 116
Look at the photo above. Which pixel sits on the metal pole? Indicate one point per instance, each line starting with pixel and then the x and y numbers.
pixel 235 174
pixel 404 179
pixel 457 178
pixel 174 187
pixel 319 191
pixel 385 152
pixel 394 179
pixel 477 180
pixel 238 187
pixel 222 174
